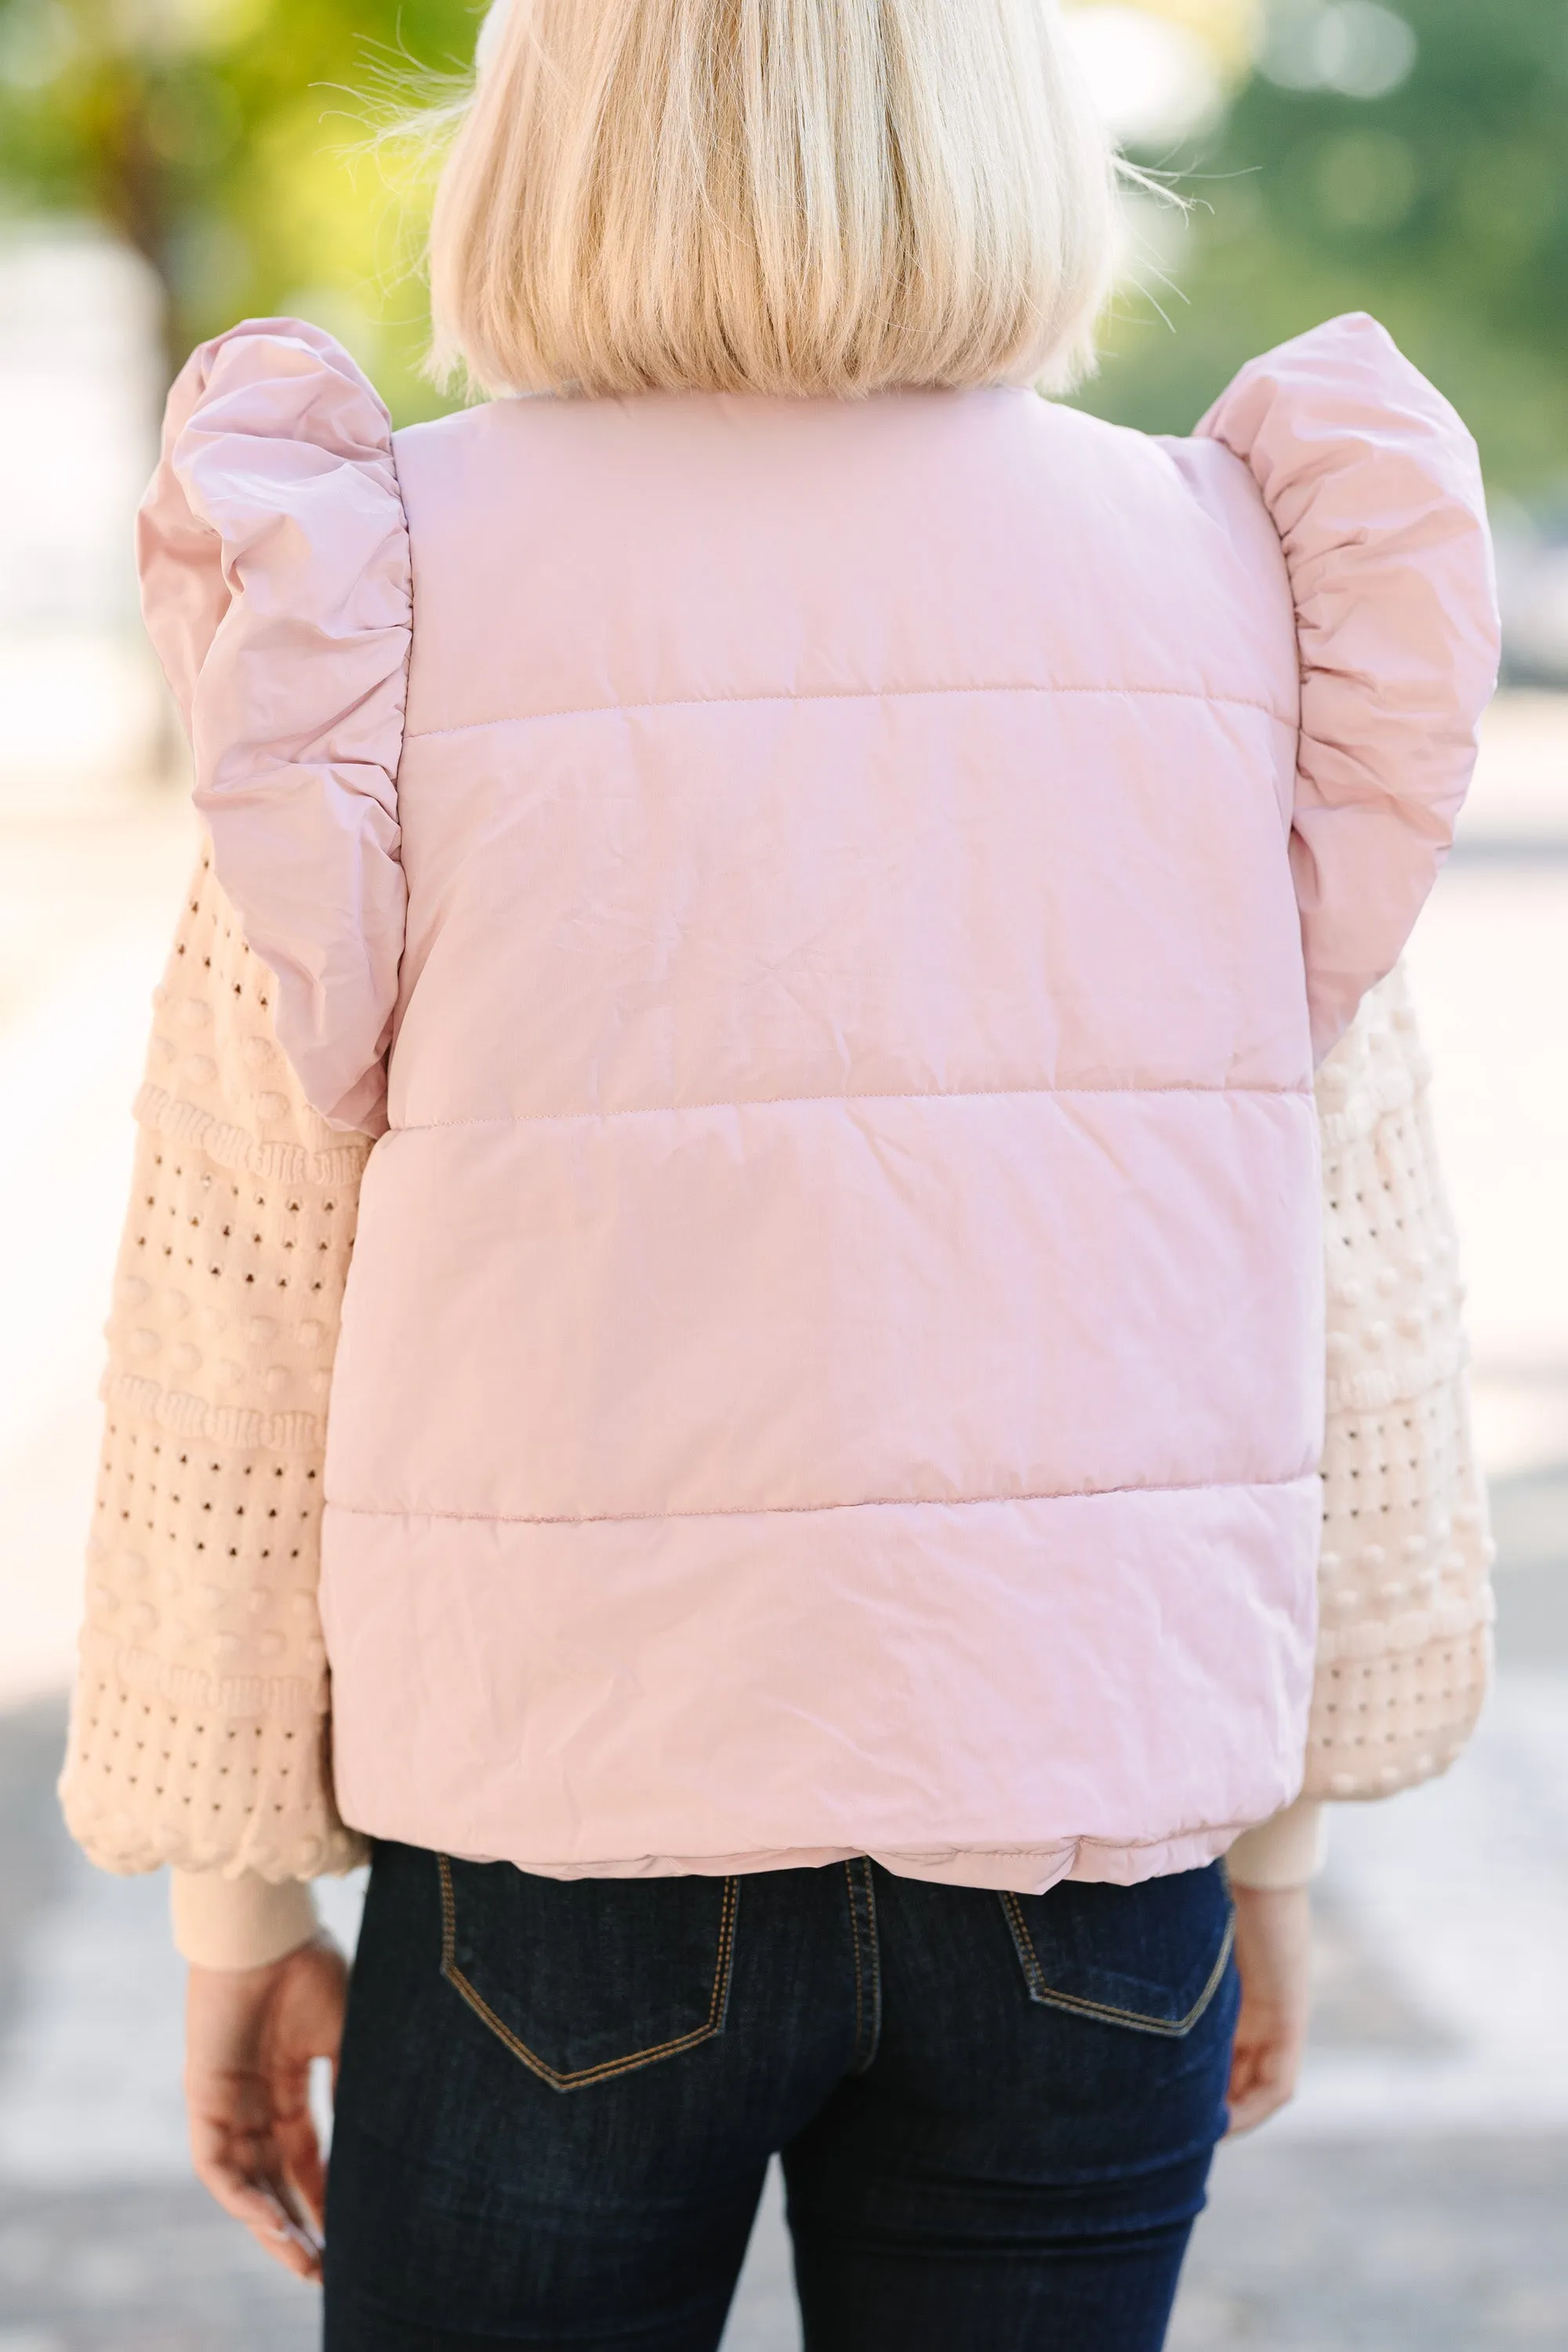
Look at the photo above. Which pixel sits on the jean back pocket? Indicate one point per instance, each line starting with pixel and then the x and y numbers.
pixel 587 1979
pixel 1150 1958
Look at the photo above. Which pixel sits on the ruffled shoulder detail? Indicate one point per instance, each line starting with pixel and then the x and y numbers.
pixel 277 587
pixel 1374 488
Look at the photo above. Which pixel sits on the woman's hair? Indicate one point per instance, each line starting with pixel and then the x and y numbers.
pixel 796 196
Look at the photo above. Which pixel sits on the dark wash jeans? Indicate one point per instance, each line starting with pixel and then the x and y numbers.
pixel 558 2100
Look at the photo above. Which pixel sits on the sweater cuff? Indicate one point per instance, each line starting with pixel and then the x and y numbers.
pixel 239 1922
pixel 1285 1851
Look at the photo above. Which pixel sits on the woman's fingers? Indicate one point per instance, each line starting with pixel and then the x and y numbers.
pixel 1273 1948
pixel 265 2206
pixel 1272 1957
pixel 300 2149
pixel 251 2035
pixel 308 2026
pixel 1262 2081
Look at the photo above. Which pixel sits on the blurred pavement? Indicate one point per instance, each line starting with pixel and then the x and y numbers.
pixel 1414 2200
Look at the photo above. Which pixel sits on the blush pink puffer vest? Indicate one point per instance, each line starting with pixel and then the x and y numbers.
pixel 833 1360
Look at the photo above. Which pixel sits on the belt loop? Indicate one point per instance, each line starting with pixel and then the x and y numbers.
pixel 864 1949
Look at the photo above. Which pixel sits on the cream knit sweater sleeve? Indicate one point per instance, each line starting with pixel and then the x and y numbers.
pixel 1404 1576
pixel 200 1730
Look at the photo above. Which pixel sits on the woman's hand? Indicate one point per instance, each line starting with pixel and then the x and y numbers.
pixel 1273 1948
pixel 250 2035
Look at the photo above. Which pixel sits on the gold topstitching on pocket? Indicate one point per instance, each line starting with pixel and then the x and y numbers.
pixel 1136 2020
pixel 718 2000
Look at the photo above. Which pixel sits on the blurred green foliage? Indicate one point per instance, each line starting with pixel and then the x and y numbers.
pixel 1440 205
pixel 227 139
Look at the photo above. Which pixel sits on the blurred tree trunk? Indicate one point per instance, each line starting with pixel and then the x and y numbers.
pixel 132 190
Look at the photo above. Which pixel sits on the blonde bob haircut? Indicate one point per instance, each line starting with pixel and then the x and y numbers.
pixel 815 197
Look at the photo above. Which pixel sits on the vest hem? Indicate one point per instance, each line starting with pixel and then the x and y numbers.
pixel 1009 1869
